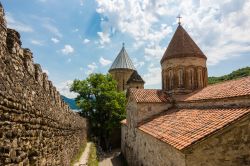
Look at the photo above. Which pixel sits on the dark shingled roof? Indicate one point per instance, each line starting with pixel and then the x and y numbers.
pixel 182 45
pixel 135 77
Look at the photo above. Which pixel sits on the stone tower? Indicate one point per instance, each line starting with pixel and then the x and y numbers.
pixel 183 64
pixel 122 69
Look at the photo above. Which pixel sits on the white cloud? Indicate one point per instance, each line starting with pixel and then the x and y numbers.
pixel 55 40
pixel 37 42
pixel 17 25
pixel 136 18
pixel 91 68
pixel 104 38
pixel 81 2
pixel 64 89
pixel 153 75
pixel 104 62
pixel 153 52
pixel 85 41
pixel 220 28
pixel 68 49
pixel 53 29
pixel 138 64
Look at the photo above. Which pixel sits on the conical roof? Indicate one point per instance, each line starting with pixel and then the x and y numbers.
pixel 122 61
pixel 182 45
pixel 135 77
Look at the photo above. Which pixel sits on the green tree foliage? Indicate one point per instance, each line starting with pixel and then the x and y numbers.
pixel 100 102
pixel 243 72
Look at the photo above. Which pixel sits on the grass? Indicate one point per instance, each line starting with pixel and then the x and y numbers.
pixel 77 157
pixel 92 160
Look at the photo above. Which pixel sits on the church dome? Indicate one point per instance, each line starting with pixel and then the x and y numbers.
pixel 122 61
pixel 182 45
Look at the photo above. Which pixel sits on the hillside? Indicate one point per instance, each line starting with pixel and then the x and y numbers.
pixel 70 102
pixel 243 72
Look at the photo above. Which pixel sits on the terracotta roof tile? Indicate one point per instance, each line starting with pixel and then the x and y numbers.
pixel 182 45
pixel 232 88
pixel 148 95
pixel 182 127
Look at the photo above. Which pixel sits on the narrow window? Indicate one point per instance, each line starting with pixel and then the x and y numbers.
pixel 171 80
pixel 180 74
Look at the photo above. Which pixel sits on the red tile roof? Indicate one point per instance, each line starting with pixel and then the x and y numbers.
pixel 232 88
pixel 182 45
pixel 182 127
pixel 148 95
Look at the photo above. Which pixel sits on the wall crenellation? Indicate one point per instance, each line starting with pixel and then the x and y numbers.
pixel 36 126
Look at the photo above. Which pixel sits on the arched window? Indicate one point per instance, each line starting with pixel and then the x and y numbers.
pixel 171 79
pixel 200 82
pixel 190 78
pixel 180 77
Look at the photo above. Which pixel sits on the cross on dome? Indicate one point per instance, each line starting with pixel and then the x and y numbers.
pixel 179 17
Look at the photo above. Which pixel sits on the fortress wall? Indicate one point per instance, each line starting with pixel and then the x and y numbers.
pixel 36 126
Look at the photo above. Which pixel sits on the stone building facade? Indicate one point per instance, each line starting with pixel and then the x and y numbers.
pixel 187 122
pixel 36 126
pixel 124 72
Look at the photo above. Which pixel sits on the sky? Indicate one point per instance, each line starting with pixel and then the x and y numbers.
pixel 74 38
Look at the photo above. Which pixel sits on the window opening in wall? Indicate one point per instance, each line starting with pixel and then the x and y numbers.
pixel 192 79
pixel 180 73
pixel 171 79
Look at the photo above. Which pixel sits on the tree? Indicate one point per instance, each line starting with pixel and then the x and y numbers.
pixel 243 72
pixel 101 103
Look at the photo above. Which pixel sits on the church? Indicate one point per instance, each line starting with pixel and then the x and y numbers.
pixel 187 122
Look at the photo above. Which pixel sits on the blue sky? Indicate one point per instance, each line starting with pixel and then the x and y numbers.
pixel 73 38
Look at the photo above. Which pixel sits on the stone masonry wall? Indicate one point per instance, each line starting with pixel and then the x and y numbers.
pixel 36 126
pixel 227 147
pixel 141 149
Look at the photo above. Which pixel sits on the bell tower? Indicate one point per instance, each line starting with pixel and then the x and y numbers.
pixel 183 64
pixel 124 72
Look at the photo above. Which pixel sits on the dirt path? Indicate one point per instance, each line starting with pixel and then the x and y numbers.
pixel 84 158
pixel 111 159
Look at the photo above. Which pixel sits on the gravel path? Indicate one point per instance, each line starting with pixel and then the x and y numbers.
pixel 84 158
pixel 111 159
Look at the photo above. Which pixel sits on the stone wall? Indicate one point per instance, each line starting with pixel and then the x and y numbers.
pixel 138 112
pixel 184 75
pixel 138 85
pixel 36 126
pixel 141 149
pixel 121 76
pixel 230 146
